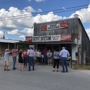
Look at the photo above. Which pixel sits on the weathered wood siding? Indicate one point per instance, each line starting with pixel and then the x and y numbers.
pixel 85 46
pixel 72 28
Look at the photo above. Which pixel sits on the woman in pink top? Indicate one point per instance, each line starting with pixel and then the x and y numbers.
pixel 25 58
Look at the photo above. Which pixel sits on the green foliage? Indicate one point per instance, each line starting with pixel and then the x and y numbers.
pixel 82 67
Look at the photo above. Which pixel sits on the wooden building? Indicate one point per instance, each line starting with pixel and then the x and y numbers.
pixel 6 44
pixel 67 32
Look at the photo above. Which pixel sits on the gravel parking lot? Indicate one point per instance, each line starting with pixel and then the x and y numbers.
pixel 44 79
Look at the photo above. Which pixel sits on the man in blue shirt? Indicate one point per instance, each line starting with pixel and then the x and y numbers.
pixel 31 54
pixel 64 55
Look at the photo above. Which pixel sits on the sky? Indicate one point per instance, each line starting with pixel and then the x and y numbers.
pixel 18 16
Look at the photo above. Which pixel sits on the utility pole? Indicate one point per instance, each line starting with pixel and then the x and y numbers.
pixel 3 35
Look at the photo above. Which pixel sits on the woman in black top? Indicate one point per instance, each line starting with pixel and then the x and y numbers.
pixel 20 59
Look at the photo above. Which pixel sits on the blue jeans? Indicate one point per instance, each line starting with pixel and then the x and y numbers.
pixel 30 63
pixel 64 64
pixel 14 62
pixel 25 61
pixel 45 58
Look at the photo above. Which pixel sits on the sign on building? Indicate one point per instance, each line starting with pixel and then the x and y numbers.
pixel 49 38
pixel 65 37
pixel 29 38
pixel 54 26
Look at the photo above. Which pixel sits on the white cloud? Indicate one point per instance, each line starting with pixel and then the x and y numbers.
pixel 13 32
pixel 22 36
pixel 88 32
pixel 39 0
pixel 29 9
pixel 29 0
pixel 19 22
pixel 46 18
pixel 63 8
pixel 39 10
pixel 84 14
pixel 1 34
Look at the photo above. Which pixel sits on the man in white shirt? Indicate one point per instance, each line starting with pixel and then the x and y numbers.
pixel 64 55
pixel 6 60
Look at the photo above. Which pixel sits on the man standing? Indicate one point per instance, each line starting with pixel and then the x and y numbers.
pixel 45 55
pixel 64 54
pixel 6 60
pixel 31 54
pixel 14 55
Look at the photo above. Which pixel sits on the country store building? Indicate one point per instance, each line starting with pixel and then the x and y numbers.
pixel 67 32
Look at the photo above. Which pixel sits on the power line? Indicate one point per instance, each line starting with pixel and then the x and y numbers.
pixel 55 11
pixel 7 1
pixel 82 6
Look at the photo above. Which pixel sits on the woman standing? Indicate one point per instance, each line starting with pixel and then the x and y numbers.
pixel 56 60
pixel 38 56
pixel 25 58
pixel 49 56
pixel 20 59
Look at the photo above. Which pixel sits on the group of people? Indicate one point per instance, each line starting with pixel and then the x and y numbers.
pixel 27 56
pixel 24 57
pixel 6 58
pixel 55 57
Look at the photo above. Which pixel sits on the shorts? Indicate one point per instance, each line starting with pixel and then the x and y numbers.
pixel 6 62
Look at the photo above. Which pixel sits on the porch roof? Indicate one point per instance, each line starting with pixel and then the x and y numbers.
pixel 8 41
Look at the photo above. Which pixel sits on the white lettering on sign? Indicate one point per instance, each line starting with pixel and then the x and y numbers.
pixel 55 38
pixel 46 38
pixel 36 39
pixel 53 26
pixel 62 37
pixel 66 37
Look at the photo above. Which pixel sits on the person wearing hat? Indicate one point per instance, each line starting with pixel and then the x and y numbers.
pixel 6 60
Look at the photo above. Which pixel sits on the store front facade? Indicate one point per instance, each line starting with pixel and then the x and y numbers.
pixel 56 34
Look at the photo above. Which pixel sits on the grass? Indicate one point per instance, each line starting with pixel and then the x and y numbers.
pixel 82 67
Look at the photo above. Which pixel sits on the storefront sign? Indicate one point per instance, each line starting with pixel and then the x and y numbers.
pixel 49 38
pixel 53 26
pixel 62 25
pixel 36 39
pixel 55 37
pixel 46 38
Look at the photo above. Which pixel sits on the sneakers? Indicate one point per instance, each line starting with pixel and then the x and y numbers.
pixel 56 70
pixel 4 69
pixel 14 68
pixel 7 70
